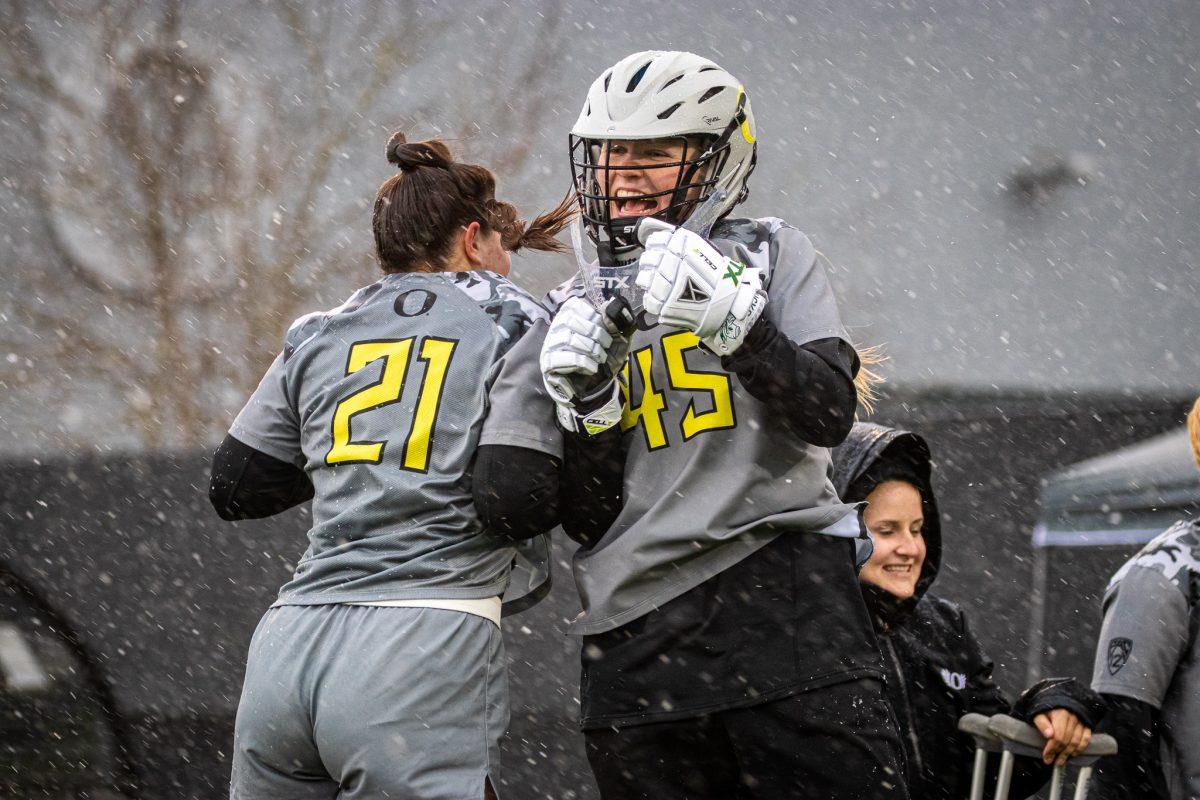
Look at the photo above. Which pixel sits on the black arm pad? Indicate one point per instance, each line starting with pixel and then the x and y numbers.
pixel 809 387
pixel 249 484
pixel 516 490
pixel 593 484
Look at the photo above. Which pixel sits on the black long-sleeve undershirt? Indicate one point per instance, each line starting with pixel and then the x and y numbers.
pixel 592 484
pixel 516 490
pixel 1136 771
pixel 808 387
pixel 249 484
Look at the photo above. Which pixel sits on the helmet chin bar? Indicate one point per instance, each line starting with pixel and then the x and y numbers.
pixel 615 238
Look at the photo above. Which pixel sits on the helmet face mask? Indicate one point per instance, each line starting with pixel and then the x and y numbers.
pixel 695 176
pixel 695 109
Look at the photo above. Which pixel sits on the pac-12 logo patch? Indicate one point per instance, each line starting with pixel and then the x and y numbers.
pixel 1118 653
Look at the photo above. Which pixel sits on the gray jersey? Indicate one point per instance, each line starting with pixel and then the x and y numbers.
pixel 1149 646
pixel 708 477
pixel 382 401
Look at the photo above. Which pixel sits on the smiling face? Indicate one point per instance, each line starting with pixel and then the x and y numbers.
pixel 644 174
pixel 895 519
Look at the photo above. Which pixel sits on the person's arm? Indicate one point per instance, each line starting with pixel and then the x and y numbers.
pixel 249 484
pixel 797 358
pixel 809 387
pixel 516 490
pixel 783 340
pixel 592 484
pixel 1064 712
pixel 1136 771
pixel 1145 633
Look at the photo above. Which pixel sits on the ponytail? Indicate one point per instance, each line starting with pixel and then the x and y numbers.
pixel 420 210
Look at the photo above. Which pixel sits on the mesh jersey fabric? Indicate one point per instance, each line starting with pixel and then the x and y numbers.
pixel 382 401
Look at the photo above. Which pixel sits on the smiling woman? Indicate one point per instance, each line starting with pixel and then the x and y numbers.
pixel 936 669
pixel 896 520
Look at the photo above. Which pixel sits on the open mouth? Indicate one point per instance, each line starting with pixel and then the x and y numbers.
pixel 898 569
pixel 634 204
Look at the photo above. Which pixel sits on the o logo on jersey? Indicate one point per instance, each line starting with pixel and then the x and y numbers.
pixel 955 680
pixel 405 308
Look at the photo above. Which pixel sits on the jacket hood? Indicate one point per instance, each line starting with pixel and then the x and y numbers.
pixel 875 449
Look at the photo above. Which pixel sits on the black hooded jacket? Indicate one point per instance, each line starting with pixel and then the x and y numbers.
pixel 936 669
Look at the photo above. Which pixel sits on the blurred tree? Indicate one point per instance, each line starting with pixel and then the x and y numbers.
pixel 182 192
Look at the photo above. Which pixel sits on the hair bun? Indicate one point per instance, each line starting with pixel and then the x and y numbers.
pixel 393 144
pixel 409 156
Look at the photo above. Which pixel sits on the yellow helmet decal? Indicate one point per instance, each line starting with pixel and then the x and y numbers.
pixel 746 134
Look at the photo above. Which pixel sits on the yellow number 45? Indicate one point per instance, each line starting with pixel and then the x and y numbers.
pixel 436 355
pixel 649 409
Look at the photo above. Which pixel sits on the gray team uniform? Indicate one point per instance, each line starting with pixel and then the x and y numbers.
pixel 706 481
pixel 382 402
pixel 1149 646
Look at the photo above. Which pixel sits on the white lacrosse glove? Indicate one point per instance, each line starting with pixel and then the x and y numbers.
pixel 582 356
pixel 689 284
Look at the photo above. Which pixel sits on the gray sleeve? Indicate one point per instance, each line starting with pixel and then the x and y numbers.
pixel 269 422
pixel 1143 636
pixel 800 297
pixel 520 412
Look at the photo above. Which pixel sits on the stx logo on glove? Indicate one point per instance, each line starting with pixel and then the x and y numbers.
pixel 611 282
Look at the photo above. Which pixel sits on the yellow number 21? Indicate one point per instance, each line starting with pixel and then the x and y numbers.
pixel 436 354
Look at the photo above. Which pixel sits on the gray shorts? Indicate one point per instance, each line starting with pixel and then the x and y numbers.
pixel 368 702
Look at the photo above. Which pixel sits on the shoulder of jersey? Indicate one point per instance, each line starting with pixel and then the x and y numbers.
pixel 571 287
pixel 512 308
pixel 305 328
pixel 755 237
pixel 1175 553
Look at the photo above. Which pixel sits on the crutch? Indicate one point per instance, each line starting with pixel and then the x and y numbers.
pixel 1018 738
pixel 985 742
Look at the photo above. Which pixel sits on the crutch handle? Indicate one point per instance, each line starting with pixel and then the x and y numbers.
pixel 1022 739
pixel 977 726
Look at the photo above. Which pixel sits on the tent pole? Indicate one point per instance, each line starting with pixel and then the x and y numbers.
pixel 1037 616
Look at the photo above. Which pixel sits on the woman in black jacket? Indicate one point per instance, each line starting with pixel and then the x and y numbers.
pixel 937 671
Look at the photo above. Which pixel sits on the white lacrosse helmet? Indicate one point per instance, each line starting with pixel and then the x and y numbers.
pixel 654 95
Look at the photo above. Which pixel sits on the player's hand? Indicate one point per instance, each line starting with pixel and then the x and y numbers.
pixel 689 284
pixel 575 347
pixel 1066 735
pixel 581 357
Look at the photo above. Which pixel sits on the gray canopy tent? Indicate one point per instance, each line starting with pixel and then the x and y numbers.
pixel 1094 515
pixel 1123 498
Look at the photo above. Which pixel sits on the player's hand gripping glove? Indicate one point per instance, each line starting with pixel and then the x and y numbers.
pixel 689 284
pixel 582 356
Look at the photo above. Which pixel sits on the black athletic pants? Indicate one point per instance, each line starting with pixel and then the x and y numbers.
pixel 836 742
